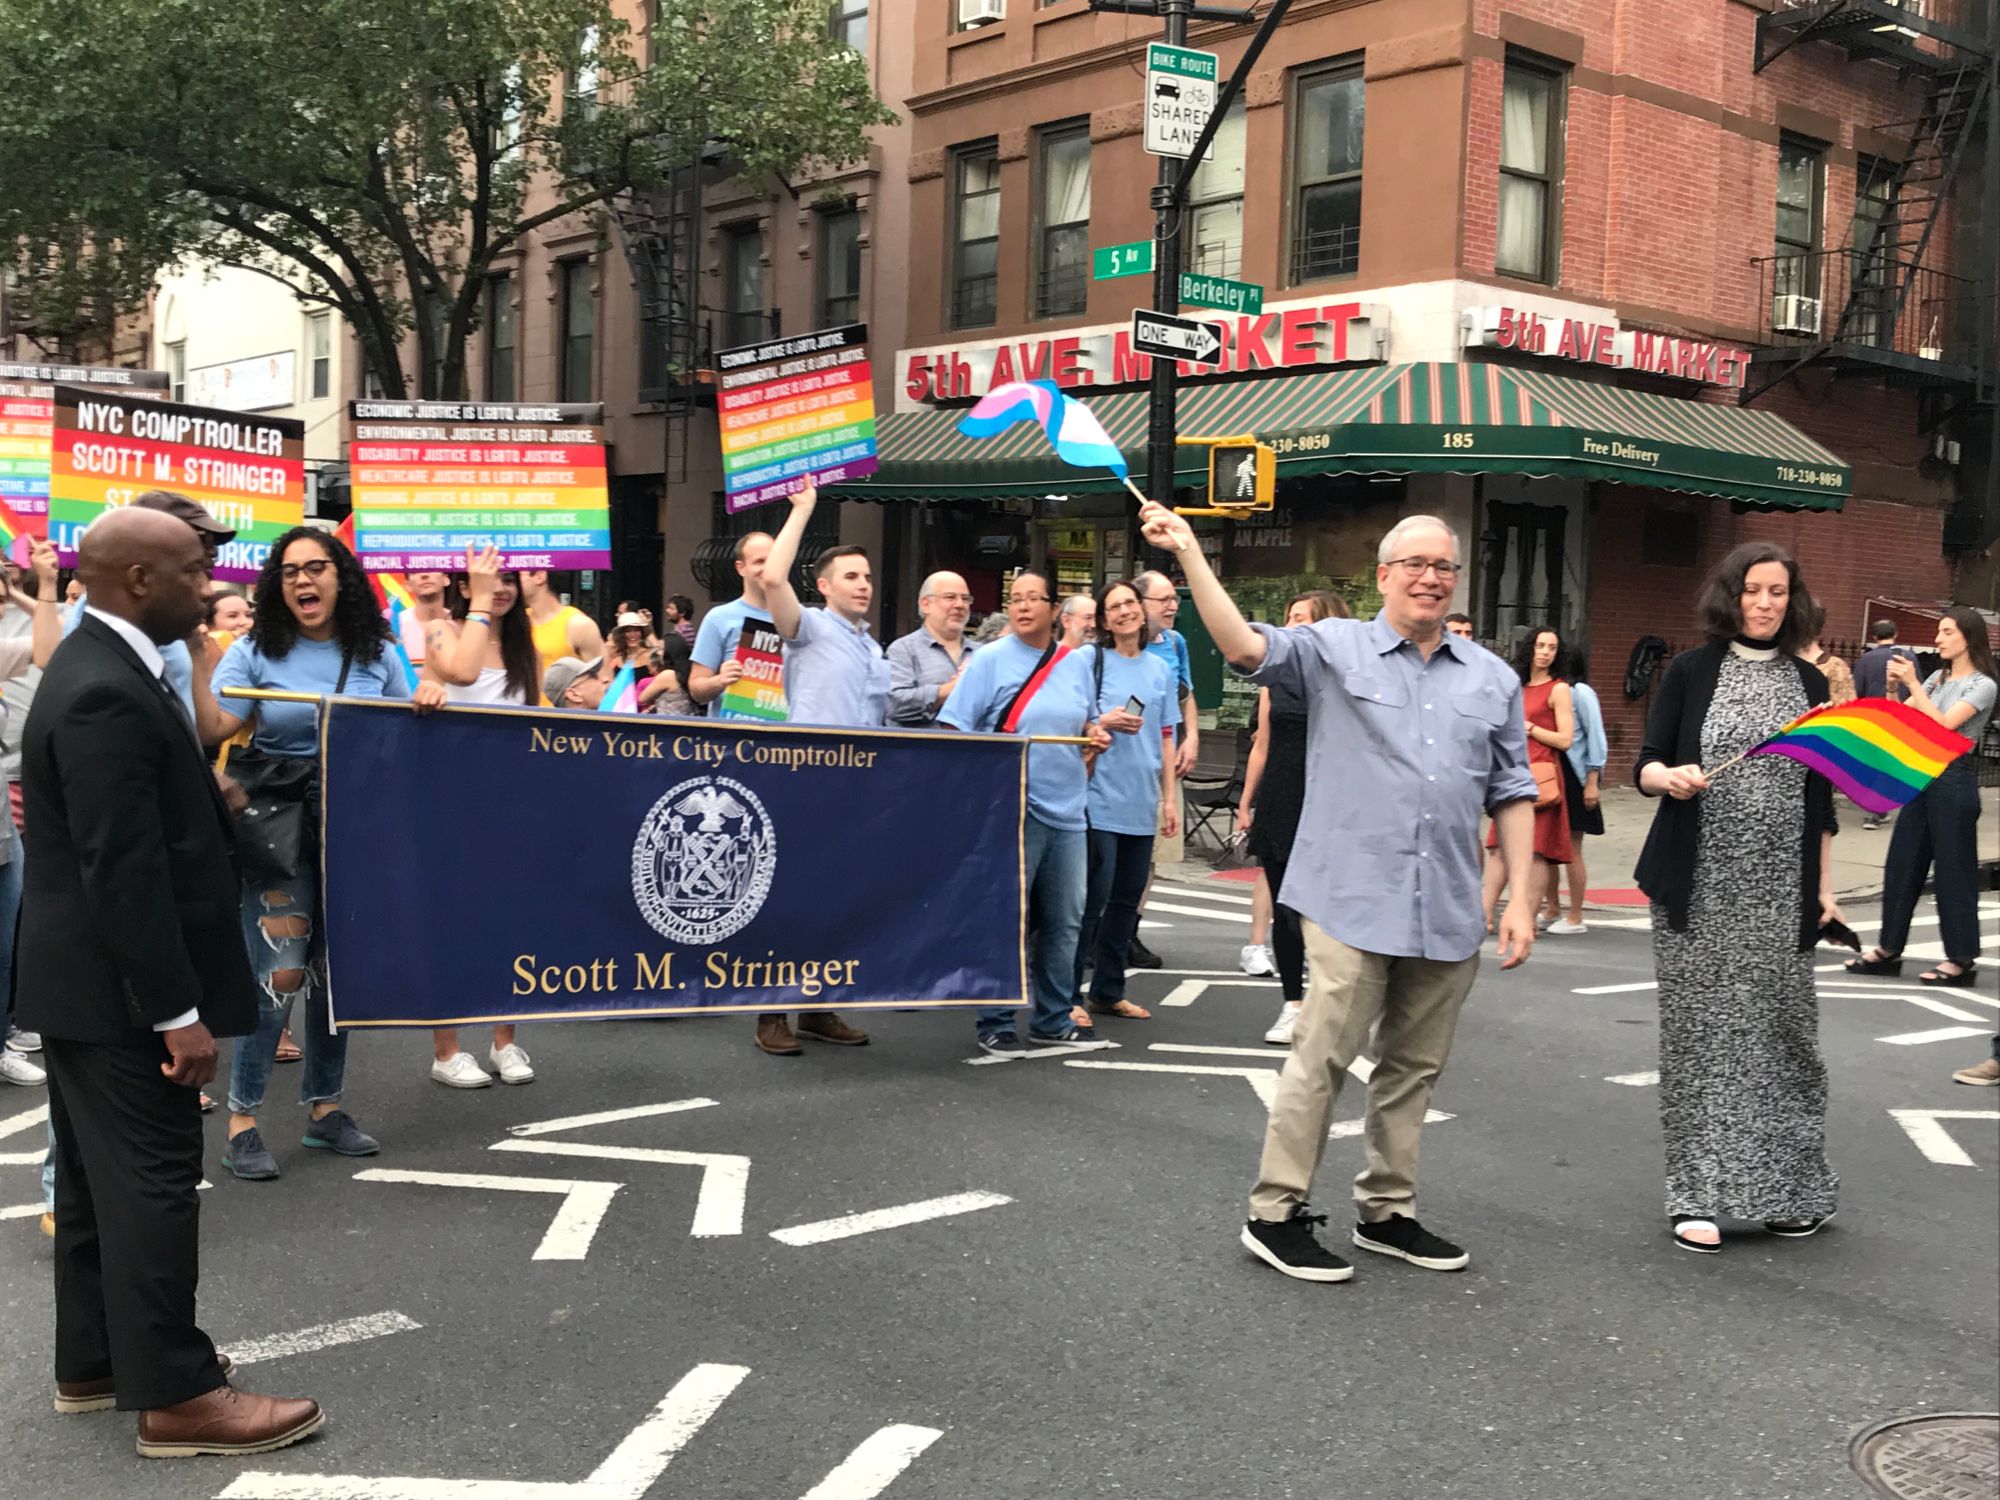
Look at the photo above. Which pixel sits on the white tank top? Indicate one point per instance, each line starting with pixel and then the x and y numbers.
pixel 491 687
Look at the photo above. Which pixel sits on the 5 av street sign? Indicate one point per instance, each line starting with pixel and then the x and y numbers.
pixel 1113 261
pixel 1181 85
pixel 1165 337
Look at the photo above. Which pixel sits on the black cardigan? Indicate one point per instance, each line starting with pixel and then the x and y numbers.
pixel 1673 737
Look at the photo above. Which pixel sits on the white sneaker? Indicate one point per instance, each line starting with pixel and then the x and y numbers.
pixel 1280 1034
pixel 1564 927
pixel 512 1063
pixel 23 1041
pixel 15 1068
pixel 460 1071
pixel 1256 959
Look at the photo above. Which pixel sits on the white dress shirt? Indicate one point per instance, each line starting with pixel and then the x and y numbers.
pixel 149 656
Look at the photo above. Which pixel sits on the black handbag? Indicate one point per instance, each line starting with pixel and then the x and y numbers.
pixel 277 831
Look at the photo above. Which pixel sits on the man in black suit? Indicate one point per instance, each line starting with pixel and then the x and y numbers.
pixel 130 963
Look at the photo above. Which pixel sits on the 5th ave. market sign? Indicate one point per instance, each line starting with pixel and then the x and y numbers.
pixel 1286 336
pixel 1588 336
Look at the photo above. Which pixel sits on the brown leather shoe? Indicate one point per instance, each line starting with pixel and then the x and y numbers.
pixel 227 1421
pixel 76 1397
pixel 825 1026
pixel 774 1035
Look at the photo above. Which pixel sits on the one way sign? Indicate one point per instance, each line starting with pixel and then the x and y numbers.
pixel 1165 337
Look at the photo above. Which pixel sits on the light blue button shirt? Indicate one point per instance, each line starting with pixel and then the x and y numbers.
pixel 1403 756
pixel 1588 749
pixel 835 673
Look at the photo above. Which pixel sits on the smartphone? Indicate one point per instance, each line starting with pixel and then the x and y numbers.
pixel 1135 705
pixel 1840 935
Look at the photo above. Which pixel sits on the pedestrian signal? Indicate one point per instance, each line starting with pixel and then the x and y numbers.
pixel 1242 475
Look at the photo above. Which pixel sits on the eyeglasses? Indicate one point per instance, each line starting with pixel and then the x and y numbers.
pixel 1027 598
pixel 1416 567
pixel 293 572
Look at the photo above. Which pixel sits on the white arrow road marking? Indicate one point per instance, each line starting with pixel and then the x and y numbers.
pixel 35 1210
pixel 1617 989
pixel 1362 1068
pixel 1190 990
pixel 323 1336
pixel 888 1218
pixel 1635 1080
pixel 725 1180
pixel 1343 1129
pixel 570 1231
pixel 609 1117
pixel 1200 911
pixel 1200 894
pixel 873 1467
pixel 1931 1138
pixel 1942 1034
pixel 626 1475
pixel 14 1125
pixel 1039 1054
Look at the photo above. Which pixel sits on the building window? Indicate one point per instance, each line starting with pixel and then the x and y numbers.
pixel 1326 229
pixel 579 331
pixel 372 384
pixel 319 355
pixel 177 370
pixel 850 24
pixel 583 77
pixel 967 14
pixel 743 286
pixel 1215 203
pixel 1062 259
pixel 501 337
pixel 1801 204
pixel 1872 302
pixel 839 267
pixel 975 259
pixel 507 123
pixel 1531 167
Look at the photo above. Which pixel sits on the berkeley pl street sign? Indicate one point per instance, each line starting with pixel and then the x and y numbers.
pixel 1216 291
pixel 1181 85
pixel 1177 338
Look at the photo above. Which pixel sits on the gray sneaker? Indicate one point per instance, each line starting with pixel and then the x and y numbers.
pixel 14 1068
pixel 249 1158
pixel 338 1132
pixel 23 1041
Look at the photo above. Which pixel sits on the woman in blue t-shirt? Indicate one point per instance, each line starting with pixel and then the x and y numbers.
pixel 317 630
pixel 1130 786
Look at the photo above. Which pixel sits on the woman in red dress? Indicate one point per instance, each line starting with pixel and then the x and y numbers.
pixel 1551 716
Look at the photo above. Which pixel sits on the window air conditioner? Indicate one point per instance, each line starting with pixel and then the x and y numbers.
pixel 980 12
pixel 1793 314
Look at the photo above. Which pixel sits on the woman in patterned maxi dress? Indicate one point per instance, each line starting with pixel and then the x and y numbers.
pixel 1738 872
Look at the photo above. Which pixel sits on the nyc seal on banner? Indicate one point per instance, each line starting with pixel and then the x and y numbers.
pixel 707 866
pixel 795 408
pixel 27 437
pixel 431 478
pixel 248 472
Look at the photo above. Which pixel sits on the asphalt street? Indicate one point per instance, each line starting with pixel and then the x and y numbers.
pixel 679 1303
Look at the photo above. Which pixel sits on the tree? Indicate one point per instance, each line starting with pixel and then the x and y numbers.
pixel 377 156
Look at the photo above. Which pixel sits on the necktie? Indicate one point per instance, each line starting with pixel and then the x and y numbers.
pixel 180 708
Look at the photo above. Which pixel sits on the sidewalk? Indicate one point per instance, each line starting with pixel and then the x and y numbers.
pixel 1857 852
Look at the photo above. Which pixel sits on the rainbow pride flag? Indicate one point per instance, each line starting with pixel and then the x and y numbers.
pixel 1879 752
pixel 1073 431
pixel 392 597
pixel 14 537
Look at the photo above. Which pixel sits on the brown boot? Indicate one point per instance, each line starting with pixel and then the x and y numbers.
pixel 227 1421
pixel 774 1035
pixel 76 1397
pixel 825 1026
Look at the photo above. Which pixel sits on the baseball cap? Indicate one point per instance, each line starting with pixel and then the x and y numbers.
pixel 187 510
pixel 562 672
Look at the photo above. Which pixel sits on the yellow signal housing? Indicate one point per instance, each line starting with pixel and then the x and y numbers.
pixel 1242 475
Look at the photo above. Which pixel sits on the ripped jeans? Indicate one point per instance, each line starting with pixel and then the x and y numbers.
pixel 281 927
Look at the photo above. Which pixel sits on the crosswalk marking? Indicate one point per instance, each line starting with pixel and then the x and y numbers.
pixel 1242 918
pixel 1228 898
pixel 1942 1034
pixel 901 1216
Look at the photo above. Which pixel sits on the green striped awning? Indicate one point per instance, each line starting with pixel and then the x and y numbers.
pixel 1408 418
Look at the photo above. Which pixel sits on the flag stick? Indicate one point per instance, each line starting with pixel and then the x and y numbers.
pixel 1137 494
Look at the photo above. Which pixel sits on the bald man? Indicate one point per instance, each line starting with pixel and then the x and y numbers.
pixel 130 963
pixel 924 665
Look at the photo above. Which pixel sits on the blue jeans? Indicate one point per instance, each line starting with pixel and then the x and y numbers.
pixel 1052 861
pixel 1119 866
pixel 10 915
pixel 281 928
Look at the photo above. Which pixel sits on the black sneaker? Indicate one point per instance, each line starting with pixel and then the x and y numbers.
pixel 1289 1247
pixel 1003 1044
pixel 1070 1039
pixel 1406 1239
pixel 1139 956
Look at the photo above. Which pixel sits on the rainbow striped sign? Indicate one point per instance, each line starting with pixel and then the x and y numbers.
pixel 28 426
pixel 1879 752
pixel 795 408
pixel 431 478
pixel 248 472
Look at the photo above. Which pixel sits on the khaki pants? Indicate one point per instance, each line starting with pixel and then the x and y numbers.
pixel 1416 1002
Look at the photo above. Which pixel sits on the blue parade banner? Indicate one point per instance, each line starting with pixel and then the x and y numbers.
pixel 503 864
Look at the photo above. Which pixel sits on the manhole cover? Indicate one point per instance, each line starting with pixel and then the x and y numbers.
pixel 1950 1456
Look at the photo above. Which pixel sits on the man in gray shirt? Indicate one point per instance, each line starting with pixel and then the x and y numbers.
pixel 1415 734
pixel 924 665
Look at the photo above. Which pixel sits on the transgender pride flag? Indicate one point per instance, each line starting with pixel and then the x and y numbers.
pixel 1078 438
